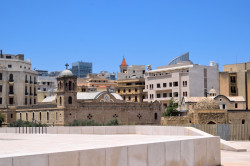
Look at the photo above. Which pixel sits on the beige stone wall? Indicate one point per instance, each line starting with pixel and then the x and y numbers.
pixel 248 87
pixel 126 113
pixel 224 83
pixel 48 116
pixel 175 120
pixel 236 117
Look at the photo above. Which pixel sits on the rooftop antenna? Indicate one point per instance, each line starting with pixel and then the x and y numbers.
pixel 67 65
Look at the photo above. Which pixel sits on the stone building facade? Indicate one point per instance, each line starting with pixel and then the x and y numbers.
pixel 235 81
pixel 181 78
pixel 101 108
pixel 18 82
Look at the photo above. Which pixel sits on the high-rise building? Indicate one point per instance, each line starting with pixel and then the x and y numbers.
pixel 235 81
pixel 18 83
pixel 81 69
pixel 181 78
pixel 42 72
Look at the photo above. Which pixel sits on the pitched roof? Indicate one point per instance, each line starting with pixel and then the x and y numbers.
pixel 124 62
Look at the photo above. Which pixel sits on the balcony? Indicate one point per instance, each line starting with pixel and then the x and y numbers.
pixel 11 81
pixel 11 93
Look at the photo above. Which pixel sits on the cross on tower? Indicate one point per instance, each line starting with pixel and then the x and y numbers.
pixel 66 65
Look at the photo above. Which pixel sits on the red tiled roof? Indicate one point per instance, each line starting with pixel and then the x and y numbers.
pixel 124 62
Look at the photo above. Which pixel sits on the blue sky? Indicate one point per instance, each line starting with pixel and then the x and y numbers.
pixel 53 32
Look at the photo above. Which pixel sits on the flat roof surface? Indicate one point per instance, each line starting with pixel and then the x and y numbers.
pixel 31 144
pixel 230 158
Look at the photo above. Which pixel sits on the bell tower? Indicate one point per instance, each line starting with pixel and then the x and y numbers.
pixel 66 89
pixel 124 66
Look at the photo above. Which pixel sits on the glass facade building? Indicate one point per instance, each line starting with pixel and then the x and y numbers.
pixel 81 69
pixel 184 57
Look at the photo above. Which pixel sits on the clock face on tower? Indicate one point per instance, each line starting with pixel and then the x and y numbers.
pixel 106 98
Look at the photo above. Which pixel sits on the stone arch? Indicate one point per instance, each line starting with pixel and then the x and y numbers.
pixel 70 100
pixel 211 122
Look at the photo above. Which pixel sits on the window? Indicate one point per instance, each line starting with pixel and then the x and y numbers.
pixel 70 100
pixel 233 79
pixel 129 98
pixel 34 101
pixel 1 88
pixel 60 100
pixel 135 98
pixel 133 71
pixel 11 101
pixel 56 116
pixel 243 121
pixel 236 105
pixel 11 116
pixel 158 95
pixel 9 66
pixel 164 85
pixel 11 78
pixel 184 83
pixel 223 106
pixel 220 100
pixel 158 85
pixel 170 84
pixel 135 90
pixel 26 116
pixel 129 90
pixel 155 116
pixel 143 71
pixel 170 94
pixel 1 100
pixel 40 116
pixel 1 76
pixel 69 85
pixel 44 96
pixel 8 57
pixel 175 94
pixel 233 89
pixel 20 115
pixel 124 90
pixel 44 89
pixel 165 95
pixel 175 83
pixel 33 116
pixel 47 116
pixel 185 94
pixel 124 98
pixel 118 90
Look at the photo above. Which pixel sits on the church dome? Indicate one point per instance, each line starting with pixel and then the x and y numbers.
pixel 66 73
pixel 212 92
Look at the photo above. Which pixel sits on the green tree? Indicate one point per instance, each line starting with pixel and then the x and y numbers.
pixel 171 109
pixel 2 117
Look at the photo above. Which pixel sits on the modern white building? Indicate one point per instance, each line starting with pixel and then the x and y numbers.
pixel 18 82
pixel 181 78
pixel 47 86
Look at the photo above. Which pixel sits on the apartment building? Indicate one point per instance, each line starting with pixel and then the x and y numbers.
pixel 181 78
pixel 235 81
pixel 131 82
pixel 47 86
pixel 95 83
pixel 18 82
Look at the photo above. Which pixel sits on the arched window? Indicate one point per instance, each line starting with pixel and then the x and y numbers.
pixel 40 116
pixel 69 85
pixel 70 100
pixel 156 116
pixel 26 116
pixel 11 78
pixel 56 115
pixel 20 116
pixel 60 100
pixel 243 121
pixel 33 116
pixel 47 116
